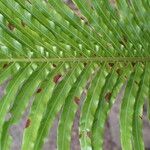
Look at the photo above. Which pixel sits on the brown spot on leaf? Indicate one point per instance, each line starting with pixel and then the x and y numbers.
pixel 118 71
pixel 54 65
pixel 85 64
pixel 39 90
pixel 11 26
pixel 28 122
pixel 136 82
pixel 111 64
pixel 23 24
pixel 108 96
pixel 29 1
pixel 133 64
pixel 89 134
pixel 80 54
pixel 5 66
pixel 123 41
pixel 77 100
pixel 57 78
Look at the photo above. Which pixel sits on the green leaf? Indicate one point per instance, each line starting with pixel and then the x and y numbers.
pixel 127 109
pixel 38 109
pixel 90 106
pixel 69 109
pixel 22 99
pixel 11 91
pixel 138 107
pixel 7 72
pixel 54 105
pixel 99 115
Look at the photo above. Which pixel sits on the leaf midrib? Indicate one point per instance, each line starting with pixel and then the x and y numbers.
pixel 79 59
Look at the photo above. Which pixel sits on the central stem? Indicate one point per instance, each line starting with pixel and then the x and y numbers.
pixel 91 59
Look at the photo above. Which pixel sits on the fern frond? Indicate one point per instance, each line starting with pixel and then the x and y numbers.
pixel 50 52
